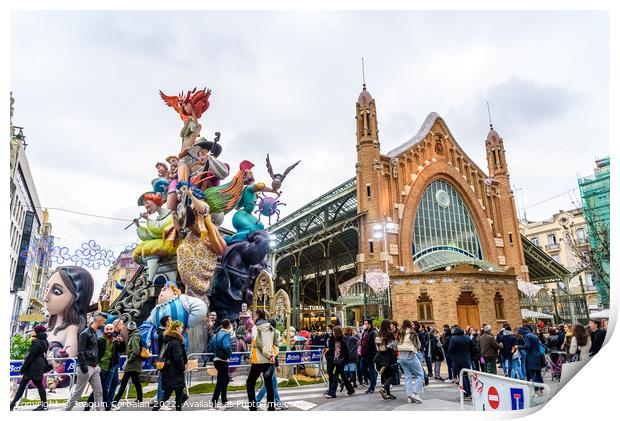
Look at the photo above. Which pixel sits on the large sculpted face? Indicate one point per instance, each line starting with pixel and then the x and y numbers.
pixel 150 206
pixel 58 296
pixel 165 294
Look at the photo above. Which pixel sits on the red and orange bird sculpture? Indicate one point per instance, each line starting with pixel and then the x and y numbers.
pixel 193 104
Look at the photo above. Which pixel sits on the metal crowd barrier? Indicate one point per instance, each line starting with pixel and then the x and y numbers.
pixel 492 392
pixel 313 357
pixel 70 365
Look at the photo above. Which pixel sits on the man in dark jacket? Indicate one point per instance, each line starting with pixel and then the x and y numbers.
pixel 597 336
pixel 460 349
pixel 88 363
pixel 109 348
pixel 488 350
pixel 368 352
pixel 508 340
pixel 445 344
pixel 133 365
pixel 173 372
pixel 33 367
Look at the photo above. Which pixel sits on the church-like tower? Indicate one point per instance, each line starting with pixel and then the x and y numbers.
pixel 369 179
pixel 510 239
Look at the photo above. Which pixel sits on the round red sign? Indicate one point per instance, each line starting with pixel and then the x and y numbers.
pixel 493 397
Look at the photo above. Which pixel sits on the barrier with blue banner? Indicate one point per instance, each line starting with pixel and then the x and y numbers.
pixel 300 357
pixel 16 365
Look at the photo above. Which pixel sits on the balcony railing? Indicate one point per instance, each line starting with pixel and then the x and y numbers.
pixel 552 246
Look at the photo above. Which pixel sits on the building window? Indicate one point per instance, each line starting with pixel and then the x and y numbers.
pixel 581 236
pixel 372 246
pixel 499 307
pixel 551 239
pixel 443 224
pixel 368 190
pixel 425 308
pixel 534 241
pixel 556 257
pixel 510 237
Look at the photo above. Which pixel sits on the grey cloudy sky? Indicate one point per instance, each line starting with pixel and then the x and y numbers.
pixel 286 83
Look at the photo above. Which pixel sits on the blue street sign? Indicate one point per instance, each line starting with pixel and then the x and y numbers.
pixel 300 357
pixel 516 398
pixel 16 365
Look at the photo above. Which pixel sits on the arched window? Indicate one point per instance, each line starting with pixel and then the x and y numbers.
pixel 425 308
pixel 443 224
pixel 499 307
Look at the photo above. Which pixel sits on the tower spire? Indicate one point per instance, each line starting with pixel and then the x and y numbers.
pixel 363 75
pixel 489 112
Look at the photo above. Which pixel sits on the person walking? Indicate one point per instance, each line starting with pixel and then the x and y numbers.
pixel 445 344
pixel 350 369
pixel 368 351
pixel 460 350
pixel 489 350
pixel 109 348
pixel 510 364
pixel 436 350
pixel 222 349
pixel 408 349
pixel 340 360
pixel 263 357
pixel 580 344
pixel 133 365
pixel 173 372
pixel 34 366
pixel 426 334
pixel 534 358
pixel 113 370
pixel 386 359
pixel 88 372
pixel 597 336
pixel 164 324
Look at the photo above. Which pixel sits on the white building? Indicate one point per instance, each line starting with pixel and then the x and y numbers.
pixel 25 216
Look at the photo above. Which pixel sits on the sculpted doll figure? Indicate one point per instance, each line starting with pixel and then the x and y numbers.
pixel 170 302
pixel 198 252
pixel 173 178
pixel 157 235
pixel 160 184
pixel 190 107
pixel 68 294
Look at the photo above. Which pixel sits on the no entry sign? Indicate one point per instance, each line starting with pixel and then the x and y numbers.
pixel 493 397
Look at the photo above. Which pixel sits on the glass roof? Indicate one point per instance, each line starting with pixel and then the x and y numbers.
pixel 441 259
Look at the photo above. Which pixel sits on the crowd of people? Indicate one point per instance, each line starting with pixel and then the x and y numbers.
pixel 355 357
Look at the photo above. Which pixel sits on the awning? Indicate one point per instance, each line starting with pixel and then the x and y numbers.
pixel 528 289
pixel 529 314
pixel 443 258
pixel 603 314
pixel 376 279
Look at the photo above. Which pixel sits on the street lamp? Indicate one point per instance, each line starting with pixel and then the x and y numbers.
pixel 380 232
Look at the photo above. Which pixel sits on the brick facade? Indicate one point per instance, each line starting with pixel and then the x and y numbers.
pixel 390 187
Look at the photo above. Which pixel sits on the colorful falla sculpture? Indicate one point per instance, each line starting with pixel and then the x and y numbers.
pixel 184 210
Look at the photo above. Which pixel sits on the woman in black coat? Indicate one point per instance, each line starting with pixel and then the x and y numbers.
pixel 338 345
pixel 436 351
pixel 175 359
pixel 34 366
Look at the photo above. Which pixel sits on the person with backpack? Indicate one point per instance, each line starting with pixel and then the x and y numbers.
pixel 386 359
pixel 173 359
pixel 580 344
pixel 265 343
pixel 408 347
pixel 34 366
pixel 133 365
pixel 510 363
pixel 339 360
pixel 280 406
pixel 221 348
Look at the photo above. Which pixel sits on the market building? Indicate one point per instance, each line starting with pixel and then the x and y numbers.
pixel 421 232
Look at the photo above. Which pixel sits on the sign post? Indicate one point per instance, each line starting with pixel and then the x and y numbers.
pixel 491 392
